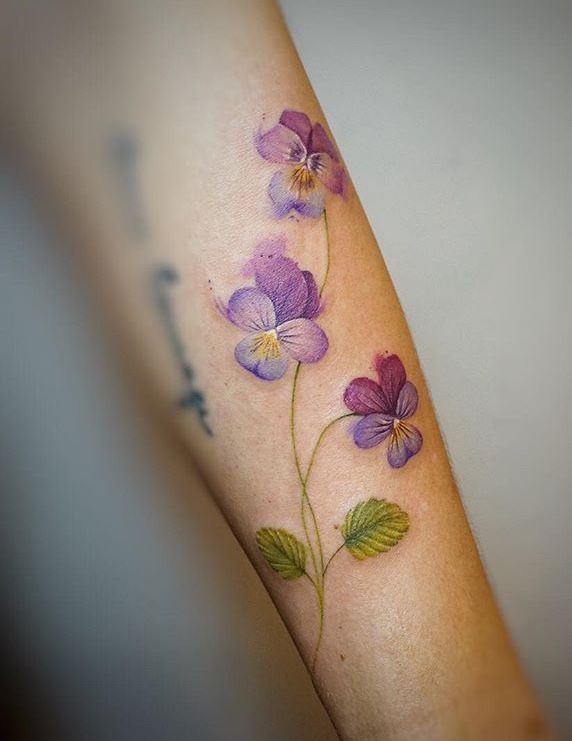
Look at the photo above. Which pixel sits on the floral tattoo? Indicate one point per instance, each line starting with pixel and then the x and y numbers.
pixel 279 312
pixel 310 165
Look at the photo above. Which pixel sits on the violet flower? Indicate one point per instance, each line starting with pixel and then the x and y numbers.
pixel 311 164
pixel 278 314
pixel 385 406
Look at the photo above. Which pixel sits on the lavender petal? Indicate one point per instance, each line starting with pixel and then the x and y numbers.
pixel 266 250
pixel 285 198
pixel 262 355
pixel 299 123
pixel 282 281
pixel 372 430
pixel 405 442
pixel 303 340
pixel 311 204
pixel 406 401
pixel 281 145
pixel 312 307
pixel 251 309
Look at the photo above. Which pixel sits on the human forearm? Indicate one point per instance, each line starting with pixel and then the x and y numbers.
pixel 411 642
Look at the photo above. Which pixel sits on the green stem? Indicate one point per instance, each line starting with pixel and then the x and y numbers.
pixel 327 270
pixel 320 629
pixel 304 497
pixel 317 583
pixel 316 529
pixel 319 442
pixel 307 575
pixel 331 558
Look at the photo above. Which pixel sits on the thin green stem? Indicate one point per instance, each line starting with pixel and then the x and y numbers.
pixel 319 442
pixel 320 629
pixel 306 574
pixel 316 529
pixel 327 269
pixel 304 497
pixel 331 558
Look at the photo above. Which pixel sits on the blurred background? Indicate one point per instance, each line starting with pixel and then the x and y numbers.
pixel 454 117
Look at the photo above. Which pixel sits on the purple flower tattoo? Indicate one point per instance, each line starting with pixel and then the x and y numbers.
pixel 311 165
pixel 278 313
pixel 384 406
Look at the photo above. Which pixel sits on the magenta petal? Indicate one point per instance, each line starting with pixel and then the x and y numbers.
pixel 363 396
pixel 299 123
pixel 312 308
pixel 303 340
pixel 285 199
pixel 406 401
pixel 281 145
pixel 372 430
pixel 266 360
pixel 405 442
pixel 329 172
pixel 251 309
pixel 320 142
pixel 391 380
pixel 282 281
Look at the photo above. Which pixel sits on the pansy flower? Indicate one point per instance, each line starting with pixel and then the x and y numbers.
pixel 384 406
pixel 310 165
pixel 278 313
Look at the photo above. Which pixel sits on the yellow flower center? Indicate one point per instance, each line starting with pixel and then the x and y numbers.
pixel 302 179
pixel 265 346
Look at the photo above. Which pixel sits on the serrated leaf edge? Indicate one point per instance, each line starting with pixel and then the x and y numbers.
pixel 286 542
pixel 369 545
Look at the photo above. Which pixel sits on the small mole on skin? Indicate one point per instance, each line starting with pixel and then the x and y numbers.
pixel 342 657
pixel 336 527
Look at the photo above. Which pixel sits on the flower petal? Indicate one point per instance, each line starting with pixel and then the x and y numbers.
pixel 320 142
pixel 303 339
pixel 298 122
pixel 328 171
pixel 261 354
pixel 372 429
pixel 312 308
pixel 266 250
pixel 280 144
pixel 285 198
pixel 282 281
pixel 311 204
pixel 391 380
pixel 251 309
pixel 405 442
pixel 406 401
pixel 363 396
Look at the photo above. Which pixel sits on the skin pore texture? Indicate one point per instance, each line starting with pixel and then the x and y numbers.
pixel 184 149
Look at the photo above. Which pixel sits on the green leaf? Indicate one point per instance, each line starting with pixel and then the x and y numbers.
pixel 373 527
pixel 283 552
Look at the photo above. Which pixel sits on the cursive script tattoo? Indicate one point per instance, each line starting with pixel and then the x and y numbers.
pixel 164 278
pixel 124 152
